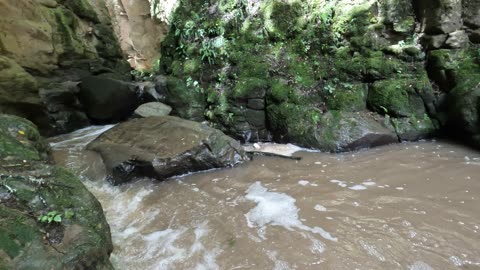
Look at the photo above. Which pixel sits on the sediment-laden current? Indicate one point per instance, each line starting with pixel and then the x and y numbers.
pixel 406 206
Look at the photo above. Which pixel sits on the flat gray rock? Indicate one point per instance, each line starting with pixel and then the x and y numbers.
pixel 153 109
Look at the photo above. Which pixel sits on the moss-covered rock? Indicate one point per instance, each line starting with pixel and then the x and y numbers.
pixel 30 189
pixel 415 127
pixel 333 131
pixel 348 97
pixel 304 60
pixel 457 72
pixel 187 101
pixel 20 140
pixel 396 97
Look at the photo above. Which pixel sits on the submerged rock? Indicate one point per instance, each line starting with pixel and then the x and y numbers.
pixel 77 236
pixel 162 147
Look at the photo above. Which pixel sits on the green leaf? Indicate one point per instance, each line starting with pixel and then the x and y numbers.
pixel 58 218
pixel 43 218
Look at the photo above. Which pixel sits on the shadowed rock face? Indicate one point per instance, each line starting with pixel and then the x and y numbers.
pixel 162 147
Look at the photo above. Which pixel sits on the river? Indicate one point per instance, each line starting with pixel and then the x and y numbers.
pixel 407 206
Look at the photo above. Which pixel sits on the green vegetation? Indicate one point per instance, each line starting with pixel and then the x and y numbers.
pixel 55 217
pixel 297 56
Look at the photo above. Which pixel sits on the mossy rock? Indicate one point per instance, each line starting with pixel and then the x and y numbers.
pixel 83 9
pixel 67 24
pixel 30 188
pixel 415 127
pixel 281 19
pixel 16 84
pixel 20 140
pixel 247 88
pixel 294 123
pixel 279 91
pixel 457 72
pixel 192 66
pixel 348 97
pixel 396 97
pixel 186 102
pixel 333 131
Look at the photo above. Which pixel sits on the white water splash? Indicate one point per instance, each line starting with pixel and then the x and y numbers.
pixel 278 209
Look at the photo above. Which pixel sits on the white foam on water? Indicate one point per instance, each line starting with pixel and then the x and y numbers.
pixel 278 209
pixel 317 247
pixel 358 187
pixel 456 261
pixel 339 183
pixel 320 208
pixel 419 265
pixel 279 264
pixel 372 251
pixel 161 247
pixel 399 188
pixel 369 183
pixel 82 136
pixel 303 182
pixel 209 261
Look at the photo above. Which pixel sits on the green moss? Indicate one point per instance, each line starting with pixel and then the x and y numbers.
pixel 191 66
pixel 414 127
pixel 281 19
pixel 294 123
pixel 348 97
pixel 187 103
pixel 66 25
pixel 250 87
pixel 20 140
pixel 396 97
pixel 16 232
pixel 108 47
pixel 279 92
pixel 83 9
pixel 301 71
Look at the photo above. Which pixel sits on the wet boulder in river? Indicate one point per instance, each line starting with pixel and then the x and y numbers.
pixel 161 147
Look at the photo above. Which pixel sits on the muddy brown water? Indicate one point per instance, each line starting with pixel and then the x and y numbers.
pixel 406 206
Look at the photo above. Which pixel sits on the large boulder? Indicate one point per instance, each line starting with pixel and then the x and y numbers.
pixel 48 219
pixel 106 99
pixel 332 131
pixel 343 131
pixel 162 147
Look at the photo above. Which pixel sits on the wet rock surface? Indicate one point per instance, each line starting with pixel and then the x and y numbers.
pixel 162 147
pixel 153 109
pixel 76 237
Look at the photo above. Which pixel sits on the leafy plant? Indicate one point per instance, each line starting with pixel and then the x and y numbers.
pixel 208 52
pixel 55 217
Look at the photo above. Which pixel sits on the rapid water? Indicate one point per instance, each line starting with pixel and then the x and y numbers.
pixel 408 206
